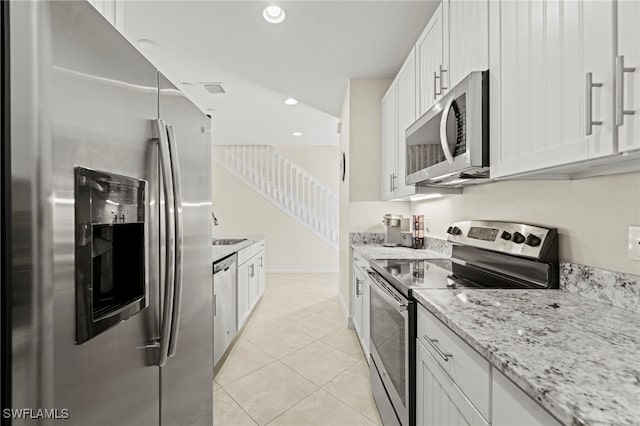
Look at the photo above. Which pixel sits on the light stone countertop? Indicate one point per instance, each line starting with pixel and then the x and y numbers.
pixel 578 358
pixel 378 251
pixel 220 252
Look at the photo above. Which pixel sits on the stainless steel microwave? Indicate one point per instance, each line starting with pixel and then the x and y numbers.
pixel 449 145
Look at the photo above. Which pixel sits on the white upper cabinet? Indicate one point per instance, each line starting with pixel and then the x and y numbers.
pixel 389 135
pixel 407 113
pixel 431 62
pixel 628 75
pixel 468 32
pixel 551 84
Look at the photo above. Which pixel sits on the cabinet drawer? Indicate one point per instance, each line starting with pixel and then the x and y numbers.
pixel 468 369
pixel 360 261
pixel 250 251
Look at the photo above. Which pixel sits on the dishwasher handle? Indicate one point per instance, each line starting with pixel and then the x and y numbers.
pixel 225 264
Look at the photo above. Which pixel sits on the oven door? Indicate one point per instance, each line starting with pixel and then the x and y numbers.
pixel 389 330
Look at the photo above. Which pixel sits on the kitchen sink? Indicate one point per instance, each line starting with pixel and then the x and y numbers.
pixel 227 241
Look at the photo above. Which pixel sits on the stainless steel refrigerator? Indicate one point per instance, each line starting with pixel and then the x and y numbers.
pixel 106 187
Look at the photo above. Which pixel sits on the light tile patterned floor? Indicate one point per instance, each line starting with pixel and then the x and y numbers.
pixel 296 363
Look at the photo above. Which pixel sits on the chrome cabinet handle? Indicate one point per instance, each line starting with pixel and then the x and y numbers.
pixel 620 70
pixel 215 305
pixel 442 86
pixel 179 232
pixel 394 178
pixel 358 287
pixel 433 343
pixel 391 182
pixel 443 131
pixel 260 262
pixel 589 104
pixel 169 269
pixel 435 85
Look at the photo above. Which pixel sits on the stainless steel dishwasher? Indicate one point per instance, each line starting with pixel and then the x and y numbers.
pixel 225 327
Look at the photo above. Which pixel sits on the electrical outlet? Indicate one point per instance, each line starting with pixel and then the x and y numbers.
pixel 634 243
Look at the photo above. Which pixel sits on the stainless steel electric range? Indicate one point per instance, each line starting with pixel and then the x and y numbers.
pixel 486 254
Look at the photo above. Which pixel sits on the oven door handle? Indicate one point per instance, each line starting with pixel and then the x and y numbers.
pixel 400 307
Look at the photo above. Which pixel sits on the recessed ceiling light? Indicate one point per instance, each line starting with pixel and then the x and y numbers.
pixel 148 45
pixel 273 14
pixel 290 101
pixel 297 134
pixel 186 84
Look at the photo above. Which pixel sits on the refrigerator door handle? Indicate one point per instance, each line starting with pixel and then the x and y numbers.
pixel 170 233
pixel 179 233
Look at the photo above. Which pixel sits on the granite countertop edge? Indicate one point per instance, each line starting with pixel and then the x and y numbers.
pixel 507 363
pixel 220 252
pixel 378 251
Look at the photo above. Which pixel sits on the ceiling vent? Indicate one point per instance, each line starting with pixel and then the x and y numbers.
pixel 214 88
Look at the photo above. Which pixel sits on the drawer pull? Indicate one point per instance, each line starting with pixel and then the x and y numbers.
pixel 435 347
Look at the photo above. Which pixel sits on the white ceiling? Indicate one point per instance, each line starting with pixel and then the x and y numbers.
pixel 311 57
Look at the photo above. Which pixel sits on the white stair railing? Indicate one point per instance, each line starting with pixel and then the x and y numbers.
pixel 285 184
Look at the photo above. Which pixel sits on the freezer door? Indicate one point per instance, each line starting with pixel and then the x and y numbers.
pixel 187 377
pixel 103 101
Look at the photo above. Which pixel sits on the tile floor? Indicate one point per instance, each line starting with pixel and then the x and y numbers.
pixel 295 363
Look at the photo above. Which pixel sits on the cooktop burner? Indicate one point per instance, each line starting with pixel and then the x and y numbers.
pixel 406 275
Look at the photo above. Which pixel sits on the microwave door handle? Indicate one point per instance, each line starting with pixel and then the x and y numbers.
pixel 179 233
pixel 169 231
pixel 443 131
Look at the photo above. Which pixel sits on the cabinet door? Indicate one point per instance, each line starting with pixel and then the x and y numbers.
pixel 430 58
pixel 438 400
pixel 629 50
pixel 357 303
pixel 253 282
pixel 366 319
pixel 407 114
pixel 243 292
pixel 389 135
pixel 541 56
pixel 262 276
pixel 512 406
pixel 468 28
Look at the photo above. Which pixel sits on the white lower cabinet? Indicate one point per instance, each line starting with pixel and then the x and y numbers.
pixel 511 406
pixel 243 293
pixel 251 280
pixel 438 400
pixel 360 304
pixel 455 385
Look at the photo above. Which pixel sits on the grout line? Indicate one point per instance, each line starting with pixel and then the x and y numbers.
pixel 239 406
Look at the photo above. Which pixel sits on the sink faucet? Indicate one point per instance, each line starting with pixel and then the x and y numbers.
pixel 215 219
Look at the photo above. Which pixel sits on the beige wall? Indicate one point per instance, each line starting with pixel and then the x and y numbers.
pixel 360 207
pixel 592 215
pixel 290 246
pixel 320 161
pixel 366 138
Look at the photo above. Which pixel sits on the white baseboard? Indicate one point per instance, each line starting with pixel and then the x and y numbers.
pixel 347 318
pixel 301 271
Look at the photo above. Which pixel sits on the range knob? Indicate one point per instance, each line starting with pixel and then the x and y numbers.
pixel 518 238
pixel 456 231
pixel 533 241
pixel 505 235
pixel 450 230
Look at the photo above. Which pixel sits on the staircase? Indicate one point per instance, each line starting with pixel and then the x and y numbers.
pixel 287 186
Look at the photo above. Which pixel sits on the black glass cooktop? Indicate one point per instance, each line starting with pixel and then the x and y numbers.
pixel 406 275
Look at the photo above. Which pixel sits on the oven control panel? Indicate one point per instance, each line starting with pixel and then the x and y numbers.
pixel 507 237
